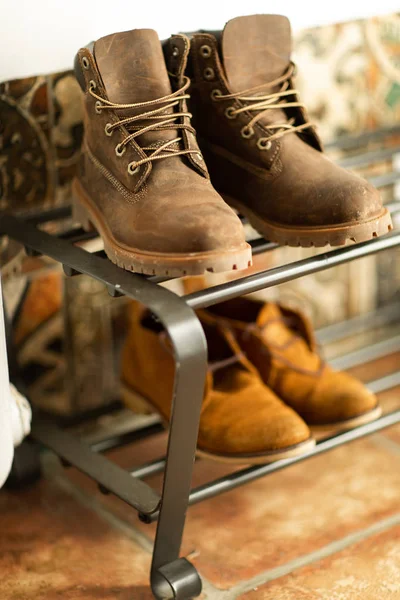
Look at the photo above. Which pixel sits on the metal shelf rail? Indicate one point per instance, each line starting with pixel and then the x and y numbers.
pixel 173 577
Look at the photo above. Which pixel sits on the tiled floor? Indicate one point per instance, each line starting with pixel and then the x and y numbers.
pixel 326 529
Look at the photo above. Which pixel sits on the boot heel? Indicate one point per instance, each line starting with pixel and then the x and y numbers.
pixel 135 401
pixel 80 215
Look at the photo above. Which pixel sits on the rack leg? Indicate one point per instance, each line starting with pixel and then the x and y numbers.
pixel 173 577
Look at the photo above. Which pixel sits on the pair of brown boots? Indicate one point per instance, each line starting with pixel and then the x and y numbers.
pixel 266 387
pixel 144 182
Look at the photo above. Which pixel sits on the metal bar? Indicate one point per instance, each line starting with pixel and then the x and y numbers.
pixel 121 421
pixel 377 318
pixel 380 181
pixel 190 350
pixel 126 438
pixel 393 207
pixel 133 491
pixel 190 376
pixel 43 216
pixel 367 158
pixel 367 353
pixel 346 142
pixel 150 468
pixel 278 275
pixel 384 383
pixel 77 235
pixel 261 245
pixel 238 478
pixel 157 278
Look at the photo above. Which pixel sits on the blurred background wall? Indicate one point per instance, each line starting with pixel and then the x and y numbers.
pixel 43 36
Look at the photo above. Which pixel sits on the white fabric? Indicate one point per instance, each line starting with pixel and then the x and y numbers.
pixel 6 436
pixel 21 416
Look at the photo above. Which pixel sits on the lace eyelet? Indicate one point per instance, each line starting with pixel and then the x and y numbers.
pixel 230 113
pixel 205 51
pixel 247 132
pixel 16 138
pixel 107 129
pixel 119 151
pixel 175 51
pixel 98 106
pixel 132 170
pixel 92 85
pixel 85 63
pixel 209 73
pixel 215 94
pixel 264 144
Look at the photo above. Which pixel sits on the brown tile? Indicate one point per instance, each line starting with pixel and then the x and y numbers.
pixel 127 457
pixel 137 454
pixel 274 520
pixel 369 570
pixel 240 534
pixel 52 547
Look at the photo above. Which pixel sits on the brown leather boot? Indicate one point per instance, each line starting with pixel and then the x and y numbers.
pixel 142 180
pixel 263 155
pixel 242 421
pixel 280 343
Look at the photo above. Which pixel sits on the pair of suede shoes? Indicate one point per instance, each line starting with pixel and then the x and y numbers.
pixel 266 390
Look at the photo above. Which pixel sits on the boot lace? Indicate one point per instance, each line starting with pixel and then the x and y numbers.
pixel 262 104
pixel 162 119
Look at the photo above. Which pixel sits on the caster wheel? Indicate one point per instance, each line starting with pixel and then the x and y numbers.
pixel 26 467
pixel 178 580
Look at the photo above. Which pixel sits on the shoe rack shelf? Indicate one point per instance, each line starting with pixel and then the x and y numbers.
pixel 172 576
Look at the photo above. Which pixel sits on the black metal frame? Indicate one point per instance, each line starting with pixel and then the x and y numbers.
pixel 172 576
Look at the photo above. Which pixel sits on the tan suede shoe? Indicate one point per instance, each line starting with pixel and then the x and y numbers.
pixel 280 344
pixel 263 154
pixel 242 421
pixel 142 181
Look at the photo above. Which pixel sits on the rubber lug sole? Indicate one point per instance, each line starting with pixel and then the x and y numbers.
pixel 150 263
pixel 318 237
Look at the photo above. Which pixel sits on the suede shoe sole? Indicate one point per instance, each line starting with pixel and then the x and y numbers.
pixel 141 405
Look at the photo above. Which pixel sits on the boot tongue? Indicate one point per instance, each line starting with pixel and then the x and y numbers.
pixel 276 329
pixel 271 314
pixel 132 66
pixel 284 340
pixel 255 50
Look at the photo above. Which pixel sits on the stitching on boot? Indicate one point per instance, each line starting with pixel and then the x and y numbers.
pixel 131 197
pixel 261 172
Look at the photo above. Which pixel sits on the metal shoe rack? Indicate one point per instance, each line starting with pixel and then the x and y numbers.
pixel 172 576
